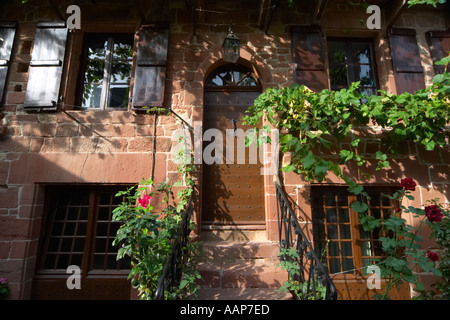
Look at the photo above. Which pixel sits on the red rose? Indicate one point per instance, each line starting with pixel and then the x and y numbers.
pixel 433 256
pixel 433 213
pixel 144 201
pixel 408 184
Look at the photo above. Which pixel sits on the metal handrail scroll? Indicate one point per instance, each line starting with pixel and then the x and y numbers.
pixel 313 275
pixel 172 272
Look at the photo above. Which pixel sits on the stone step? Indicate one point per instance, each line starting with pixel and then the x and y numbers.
pixel 233 233
pixel 224 251
pixel 244 270
pixel 245 274
pixel 242 294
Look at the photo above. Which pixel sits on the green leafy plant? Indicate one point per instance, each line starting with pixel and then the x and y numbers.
pixel 147 233
pixel 302 290
pixel 429 2
pixel 4 288
pixel 146 236
pixel 438 218
pixel 400 242
pixel 320 129
pixel 320 132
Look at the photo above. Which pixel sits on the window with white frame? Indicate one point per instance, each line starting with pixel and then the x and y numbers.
pixel 106 72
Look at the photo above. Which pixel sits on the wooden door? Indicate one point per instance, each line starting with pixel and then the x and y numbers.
pixel 232 190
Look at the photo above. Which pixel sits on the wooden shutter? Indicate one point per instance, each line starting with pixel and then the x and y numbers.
pixel 7 32
pixel 439 43
pixel 46 66
pixel 408 70
pixel 309 56
pixel 150 71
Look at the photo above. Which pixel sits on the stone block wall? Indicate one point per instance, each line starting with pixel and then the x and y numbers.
pixel 123 147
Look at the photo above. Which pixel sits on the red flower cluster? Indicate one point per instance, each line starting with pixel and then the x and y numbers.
pixel 145 201
pixel 408 184
pixel 433 256
pixel 433 213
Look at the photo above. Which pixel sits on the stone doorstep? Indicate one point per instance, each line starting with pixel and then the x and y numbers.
pixel 243 269
pixel 234 234
pixel 231 251
pixel 243 294
pixel 244 274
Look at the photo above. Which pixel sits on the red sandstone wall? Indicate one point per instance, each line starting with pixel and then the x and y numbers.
pixel 118 147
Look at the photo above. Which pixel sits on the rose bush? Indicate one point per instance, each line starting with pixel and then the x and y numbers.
pixel 146 236
pixel 401 244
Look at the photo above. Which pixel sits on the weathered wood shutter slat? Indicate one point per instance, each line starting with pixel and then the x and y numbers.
pixel 46 66
pixel 408 70
pixel 309 54
pixel 150 72
pixel 7 33
pixel 439 43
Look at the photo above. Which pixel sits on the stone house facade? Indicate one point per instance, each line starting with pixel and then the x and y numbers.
pixel 74 128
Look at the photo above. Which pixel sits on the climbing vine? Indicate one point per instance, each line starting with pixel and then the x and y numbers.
pixel 322 131
pixel 312 123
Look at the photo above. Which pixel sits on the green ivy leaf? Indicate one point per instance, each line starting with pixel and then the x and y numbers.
pixel 360 206
pixel 356 190
pixel 309 160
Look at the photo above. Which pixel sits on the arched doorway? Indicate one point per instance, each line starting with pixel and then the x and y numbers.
pixel 232 186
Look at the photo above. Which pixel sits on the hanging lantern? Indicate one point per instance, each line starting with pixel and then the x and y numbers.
pixel 231 47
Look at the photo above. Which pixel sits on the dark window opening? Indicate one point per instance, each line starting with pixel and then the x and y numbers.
pixel 351 61
pixel 79 229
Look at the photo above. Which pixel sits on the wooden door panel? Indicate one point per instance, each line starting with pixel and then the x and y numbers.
pixel 232 191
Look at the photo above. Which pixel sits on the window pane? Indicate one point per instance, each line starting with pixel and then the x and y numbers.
pixel 120 77
pixel 331 215
pixel 351 61
pixel 103 214
pixel 363 234
pixel 118 96
pixel 330 199
pixel 95 70
pixel 335 265
pixel 332 232
pixel 338 65
pixel 345 231
pixel 343 215
pixel 333 249
pixel 346 249
pixel 366 250
pixel 361 52
pixel 92 95
pixel 123 47
pixel 107 73
pixel 347 265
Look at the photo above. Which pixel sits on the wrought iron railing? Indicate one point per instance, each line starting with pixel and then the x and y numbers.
pixel 172 271
pixel 311 274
